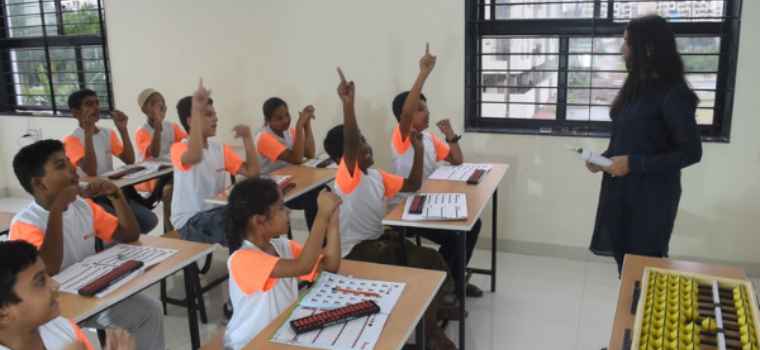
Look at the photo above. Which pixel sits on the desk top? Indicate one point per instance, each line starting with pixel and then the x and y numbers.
pixel 125 182
pixel 305 179
pixel 421 287
pixel 79 308
pixel 633 270
pixel 5 220
pixel 477 199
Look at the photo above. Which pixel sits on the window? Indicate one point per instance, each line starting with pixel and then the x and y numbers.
pixel 51 48
pixel 554 66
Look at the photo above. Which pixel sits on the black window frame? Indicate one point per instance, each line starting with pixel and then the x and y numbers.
pixel 477 27
pixel 46 42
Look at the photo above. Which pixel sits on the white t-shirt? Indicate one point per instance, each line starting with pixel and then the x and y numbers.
pixel 270 146
pixel 364 201
pixel 170 133
pixel 60 333
pixel 196 183
pixel 83 220
pixel 257 298
pixel 106 145
pixel 402 153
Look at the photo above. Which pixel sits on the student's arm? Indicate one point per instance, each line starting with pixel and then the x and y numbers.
pixel 251 166
pixel 295 155
pixel 455 156
pixel 198 120
pixel 51 250
pixel 414 181
pixel 154 150
pixel 351 134
pixel 427 63
pixel 127 230
pixel 331 251
pixel 328 202
pixel 128 153
pixel 309 150
pixel 89 162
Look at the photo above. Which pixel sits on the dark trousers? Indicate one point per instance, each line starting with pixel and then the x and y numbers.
pixel 308 203
pixel 448 246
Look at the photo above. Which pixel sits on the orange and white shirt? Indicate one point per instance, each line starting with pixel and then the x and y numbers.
pixel 60 333
pixel 270 146
pixel 193 184
pixel 364 201
pixel 402 153
pixel 171 133
pixel 105 142
pixel 256 297
pixel 83 220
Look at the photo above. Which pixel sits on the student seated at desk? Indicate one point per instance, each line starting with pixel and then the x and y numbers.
pixel 154 140
pixel 364 192
pixel 279 145
pixel 30 317
pixel 411 111
pixel 201 167
pixel 90 148
pixel 63 226
pixel 265 267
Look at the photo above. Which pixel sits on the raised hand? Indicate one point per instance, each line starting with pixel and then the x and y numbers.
pixel 416 138
pixel 427 62
pixel 305 116
pixel 345 88
pixel 119 119
pixel 200 102
pixel 99 187
pixel 328 202
pixel 445 126
pixel 242 132
pixel 66 197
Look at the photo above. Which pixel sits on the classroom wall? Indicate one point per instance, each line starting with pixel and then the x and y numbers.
pixel 250 50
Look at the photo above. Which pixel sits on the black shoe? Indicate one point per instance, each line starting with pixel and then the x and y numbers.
pixel 473 291
pixel 449 313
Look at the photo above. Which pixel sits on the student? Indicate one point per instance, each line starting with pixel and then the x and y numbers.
pixel 30 317
pixel 201 167
pixel 63 226
pixel 411 111
pixel 266 267
pixel 279 145
pixel 364 192
pixel 90 149
pixel 154 140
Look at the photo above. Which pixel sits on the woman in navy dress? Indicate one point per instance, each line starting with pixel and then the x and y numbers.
pixel 654 135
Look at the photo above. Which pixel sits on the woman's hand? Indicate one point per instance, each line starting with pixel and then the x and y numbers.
pixel 619 166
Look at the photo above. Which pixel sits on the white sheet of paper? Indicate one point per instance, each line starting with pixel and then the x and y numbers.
pixel 80 274
pixel 438 207
pixel 323 294
pixel 459 172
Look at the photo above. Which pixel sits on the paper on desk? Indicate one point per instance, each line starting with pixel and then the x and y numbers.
pixel 438 207
pixel 459 172
pixel 312 163
pixel 150 167
pixel 82 273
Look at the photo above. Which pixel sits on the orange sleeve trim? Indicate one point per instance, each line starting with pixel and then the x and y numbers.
pixel 344 180
pixel 392 184
pixel 399 145
pixel 81 336
pixel 73 148
pixel 103 222
pixel 441 149
pixel 269 146
pixel 22 231
pixel 251 270
pixel 179 133
pixel 232 161
pixel 296 249
pixel 176 152
pixel 143 138
pixel 147 186
pixel 116 146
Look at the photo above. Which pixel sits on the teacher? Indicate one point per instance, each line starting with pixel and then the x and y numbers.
pixel 654 136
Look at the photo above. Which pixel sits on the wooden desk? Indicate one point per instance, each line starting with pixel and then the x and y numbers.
pixel 477 199
pixel 305 179
pixel 79 308
pixel 421 287
pixel 5 221
pixel 633 269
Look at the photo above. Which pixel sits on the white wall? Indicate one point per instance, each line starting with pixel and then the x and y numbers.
pixel 250 50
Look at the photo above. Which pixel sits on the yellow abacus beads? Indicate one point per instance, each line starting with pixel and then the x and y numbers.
pixel 709 325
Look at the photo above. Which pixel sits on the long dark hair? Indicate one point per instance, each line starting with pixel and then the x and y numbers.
pixel 252 196
pixel 653 63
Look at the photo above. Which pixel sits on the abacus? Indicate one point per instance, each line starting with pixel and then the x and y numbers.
pixel 335 316
pixel 688 311
pixel 113 276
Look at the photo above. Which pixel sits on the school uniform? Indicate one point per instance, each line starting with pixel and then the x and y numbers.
pixel 59 333
pixel 171 133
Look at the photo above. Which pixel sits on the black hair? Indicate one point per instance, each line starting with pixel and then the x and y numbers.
pixel 76 98
pixel 654 62
pixel 252 196
pixel 398 103
pixel 30 161
pixel 185 108
pixel 17 256
pixel 333 143
pixel 270 105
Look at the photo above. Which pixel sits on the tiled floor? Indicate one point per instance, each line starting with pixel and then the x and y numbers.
pixel 540 303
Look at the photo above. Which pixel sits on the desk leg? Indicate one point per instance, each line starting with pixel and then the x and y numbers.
pixel 494 229
pixel 462 290
pixel 421 341
pixel 190 274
